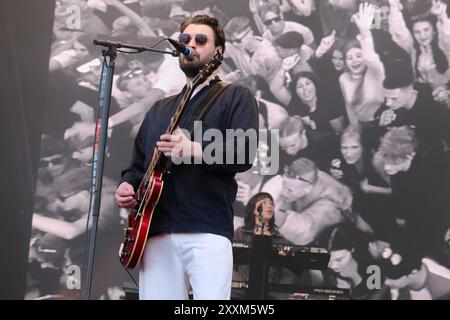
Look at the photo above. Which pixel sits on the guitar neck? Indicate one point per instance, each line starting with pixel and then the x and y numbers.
pixel 174 122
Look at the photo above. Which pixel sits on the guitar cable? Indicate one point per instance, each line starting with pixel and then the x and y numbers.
pixel 132 278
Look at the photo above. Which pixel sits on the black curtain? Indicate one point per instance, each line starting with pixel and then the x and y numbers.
pixel 25 39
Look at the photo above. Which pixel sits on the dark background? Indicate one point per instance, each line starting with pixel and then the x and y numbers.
pixel 25 39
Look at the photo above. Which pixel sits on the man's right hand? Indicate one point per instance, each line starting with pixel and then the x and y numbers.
pixel 125 196
pixel 387 117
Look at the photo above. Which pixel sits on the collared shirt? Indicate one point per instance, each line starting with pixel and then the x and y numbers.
pixel 196 197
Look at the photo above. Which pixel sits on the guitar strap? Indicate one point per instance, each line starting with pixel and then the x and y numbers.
pixel 201 111
pixel 206 104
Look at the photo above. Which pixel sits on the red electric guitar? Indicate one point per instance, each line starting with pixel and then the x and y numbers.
pixel 151 186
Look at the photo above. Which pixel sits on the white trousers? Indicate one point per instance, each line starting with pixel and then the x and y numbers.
pixel 172 263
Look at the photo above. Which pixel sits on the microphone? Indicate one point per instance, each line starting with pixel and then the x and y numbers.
pixel 260 209
pixel 189 53
pixel 107 43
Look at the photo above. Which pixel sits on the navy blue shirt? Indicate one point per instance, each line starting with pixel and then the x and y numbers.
pixel 196 197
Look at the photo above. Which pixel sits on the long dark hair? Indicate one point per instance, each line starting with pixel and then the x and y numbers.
pixel 315 79
pixel 249 220
pixel 438 55
pixel 318 83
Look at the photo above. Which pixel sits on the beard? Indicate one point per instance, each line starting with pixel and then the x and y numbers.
pixel 191 68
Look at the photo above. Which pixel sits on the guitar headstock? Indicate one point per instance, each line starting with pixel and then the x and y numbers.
pixel 209 69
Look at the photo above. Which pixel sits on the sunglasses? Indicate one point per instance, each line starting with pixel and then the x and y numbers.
pixel 291 175
pixel 270 21
pixel 132 73
pixel 56 161
pixel 239 40
pixel 200 38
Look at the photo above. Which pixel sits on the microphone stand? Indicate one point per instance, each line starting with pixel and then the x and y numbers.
pixel 101 130
pixel 259 262
pixel 261 224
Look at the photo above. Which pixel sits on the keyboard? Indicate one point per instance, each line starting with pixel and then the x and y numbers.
pixel 291 256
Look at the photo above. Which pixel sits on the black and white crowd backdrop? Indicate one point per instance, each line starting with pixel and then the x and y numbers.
pixel 326 75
